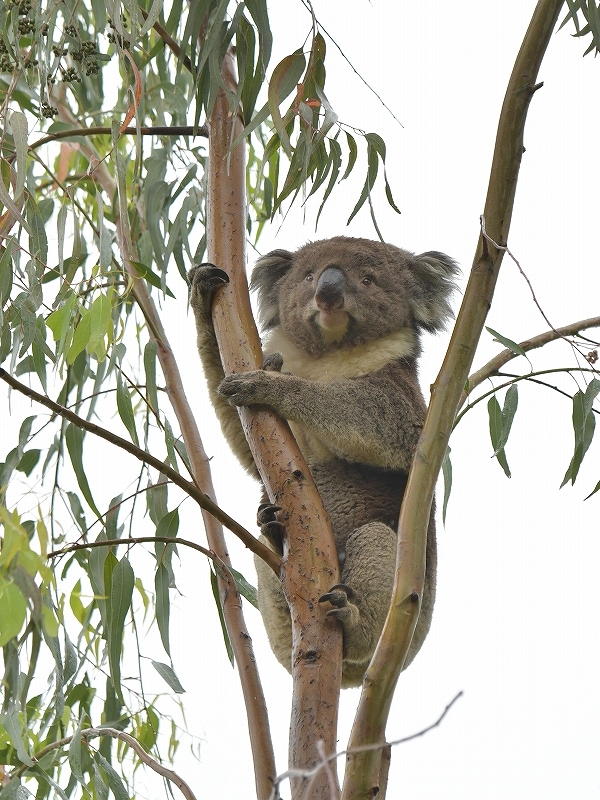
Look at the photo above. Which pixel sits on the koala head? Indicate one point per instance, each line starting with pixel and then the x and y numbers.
pixel 342 292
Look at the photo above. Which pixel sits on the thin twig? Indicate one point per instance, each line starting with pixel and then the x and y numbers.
pixel 309 773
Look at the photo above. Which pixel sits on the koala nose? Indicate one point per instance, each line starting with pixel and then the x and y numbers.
pixel 330 289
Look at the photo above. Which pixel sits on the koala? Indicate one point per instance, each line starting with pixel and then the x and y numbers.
pixel 342 320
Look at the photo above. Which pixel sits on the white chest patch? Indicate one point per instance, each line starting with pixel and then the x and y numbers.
pixel 360 360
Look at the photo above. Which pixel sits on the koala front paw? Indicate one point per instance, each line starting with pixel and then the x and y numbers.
pixel 245 388
pixel 205 280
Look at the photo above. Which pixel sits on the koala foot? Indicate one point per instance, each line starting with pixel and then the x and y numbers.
pixel 345 602
pixel 273 363
pixel 205 280
pixel 270 527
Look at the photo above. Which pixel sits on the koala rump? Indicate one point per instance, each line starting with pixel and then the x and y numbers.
pixel 342 319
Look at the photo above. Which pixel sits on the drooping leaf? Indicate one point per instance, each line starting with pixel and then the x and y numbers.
pixel 244 588
pixel 447 474
pixel 125 409
pixel 161 586
pixel 121 592
pixel 74 440
pixel 508 343
pixel 495 423
pixel 509 410
pixel 13 610
pixel 215 590
pixel 168 674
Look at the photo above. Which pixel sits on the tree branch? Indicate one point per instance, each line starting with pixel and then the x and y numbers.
pixel 100 130
pixel 362 771
pixel 90 733
pixel 492 366
pixel 251 542
pixel 310 557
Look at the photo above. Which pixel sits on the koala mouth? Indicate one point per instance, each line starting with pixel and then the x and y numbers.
pixel 332 325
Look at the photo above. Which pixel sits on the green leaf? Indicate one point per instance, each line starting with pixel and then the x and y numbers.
pixel 38 241
pixel 168 674
pixel 280 74
pixel 13 724
pixel 584 425
pixel 125 409
pixel 114 781
pixel 161 586
pixel 495 423
pixel 288 76
pixel 244 588
pixel 170 444
pixel 336 160
pixel 13 610
pixel 372 169
pixel 81 337
pixel 121 592
pixel 508 343
pixel 352 154
pixel 74 440
pixel 596 489
pixel 100 787
pixel 75 753
pixel 447 473
pixel 509 409
pixel 18 124
pixel 29 461
pixel 151 277
pixel 6 270
pixel 101 327
pixel 150 369
pixel 168 527
pixel 215 590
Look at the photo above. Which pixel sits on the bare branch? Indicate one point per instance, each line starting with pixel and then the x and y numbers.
pixel 492 366
pixel 100 130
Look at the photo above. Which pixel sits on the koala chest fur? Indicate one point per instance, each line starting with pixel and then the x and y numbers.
pixel 342 319
pixel 354 491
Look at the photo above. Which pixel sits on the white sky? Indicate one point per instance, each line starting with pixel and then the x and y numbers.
pixel 516 619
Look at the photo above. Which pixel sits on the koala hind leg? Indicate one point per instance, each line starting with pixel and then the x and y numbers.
pixel 362 600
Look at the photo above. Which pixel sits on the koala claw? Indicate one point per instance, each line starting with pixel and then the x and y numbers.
pixel 266 513
pixel 207 277
pixel 273 363
pixel 338 596
pixel 270 527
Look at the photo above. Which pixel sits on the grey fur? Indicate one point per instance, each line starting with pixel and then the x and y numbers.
pixel 349 388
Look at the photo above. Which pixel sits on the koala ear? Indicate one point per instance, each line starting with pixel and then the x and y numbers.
pixel 434 273
pixel 266 279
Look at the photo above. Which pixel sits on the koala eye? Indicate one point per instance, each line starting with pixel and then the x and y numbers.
pixel 367 281
pixel 309 278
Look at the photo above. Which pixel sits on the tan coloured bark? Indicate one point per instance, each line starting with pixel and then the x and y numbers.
pixel 362 778
pixel 310 560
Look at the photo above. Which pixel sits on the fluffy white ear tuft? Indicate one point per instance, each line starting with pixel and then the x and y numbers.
pixel 435 273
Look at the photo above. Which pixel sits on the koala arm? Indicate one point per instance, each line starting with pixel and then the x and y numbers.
pixel 373 419
pixel 205 280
